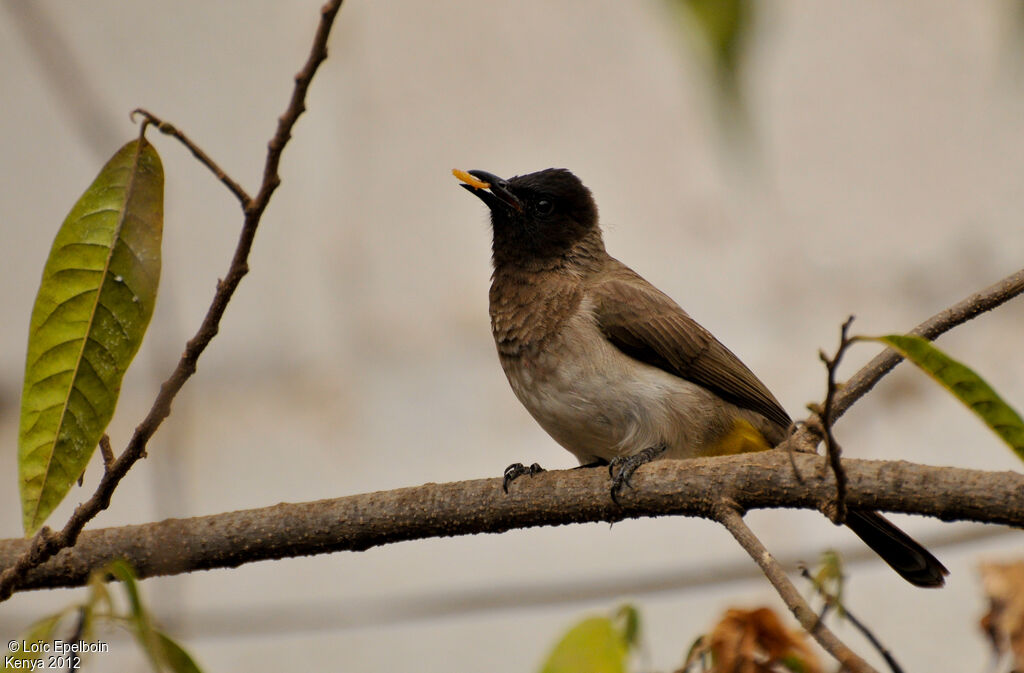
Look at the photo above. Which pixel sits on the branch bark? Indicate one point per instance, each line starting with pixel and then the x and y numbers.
pixel 359 522
pixel 729 516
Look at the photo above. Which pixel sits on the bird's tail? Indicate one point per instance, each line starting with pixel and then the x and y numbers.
pixel 913 562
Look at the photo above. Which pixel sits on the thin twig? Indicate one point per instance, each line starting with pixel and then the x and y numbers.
pixel 699 655
pixel 971 307
pixel 807 435
pixel 106 451
pixel 74 662
pixel 729 516
pixel 837 512
pixel 46 543
pixel 169 129
pixel 834 602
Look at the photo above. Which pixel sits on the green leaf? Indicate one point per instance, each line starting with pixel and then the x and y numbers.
pixel 829 579
pixel 175 656
pixel 39 632
pixel 628 618
pixel 124 573
pixel 139 621
pixel 723 24
pixel 719 31
pixel 94 304
pixel 698 653
pixel 594 645
pixel 163 652
pixel 965 385
pixel 99 603
pixel 794 663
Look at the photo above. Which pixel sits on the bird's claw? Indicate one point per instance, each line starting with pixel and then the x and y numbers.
pixel 626 466
pixel 516 470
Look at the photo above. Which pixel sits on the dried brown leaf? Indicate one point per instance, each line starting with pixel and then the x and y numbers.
pixel 756 641
pixel 1003 584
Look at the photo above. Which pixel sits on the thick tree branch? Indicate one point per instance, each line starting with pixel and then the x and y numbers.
pixel 47 543
pixel 359 522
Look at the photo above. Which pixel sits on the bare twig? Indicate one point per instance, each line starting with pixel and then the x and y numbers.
pixel 964 310
pixel 837 513
pixel 668 487
pixel 834 602
pixel 80 623
pixel 728 514
pixel 46 543
pixel 807 434
pixel 169 129
pixel 699 655
pixel 106 451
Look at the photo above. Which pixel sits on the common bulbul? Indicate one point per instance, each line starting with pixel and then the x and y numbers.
pixel 613 369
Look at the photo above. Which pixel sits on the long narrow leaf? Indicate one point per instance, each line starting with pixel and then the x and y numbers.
pixel 175 657
pixel 41 631
pixel 139 621
pixel 965 385
pixel 163 652
pixel 94 304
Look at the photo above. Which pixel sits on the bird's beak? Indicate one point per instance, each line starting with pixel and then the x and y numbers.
pixel 498 194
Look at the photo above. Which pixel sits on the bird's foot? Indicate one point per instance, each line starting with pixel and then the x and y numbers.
pixel 516 470
pixel 627 465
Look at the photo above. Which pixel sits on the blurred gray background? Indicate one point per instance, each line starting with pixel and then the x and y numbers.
pixel 879 174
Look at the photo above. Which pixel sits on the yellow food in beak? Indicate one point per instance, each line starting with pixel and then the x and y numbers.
pixel 470 180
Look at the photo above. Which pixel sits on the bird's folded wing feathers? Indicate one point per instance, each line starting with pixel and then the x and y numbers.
pixel 647 325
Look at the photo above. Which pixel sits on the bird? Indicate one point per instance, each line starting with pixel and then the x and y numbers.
pixel 611 367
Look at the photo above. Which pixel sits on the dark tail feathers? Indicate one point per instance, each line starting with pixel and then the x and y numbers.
pixel 913 562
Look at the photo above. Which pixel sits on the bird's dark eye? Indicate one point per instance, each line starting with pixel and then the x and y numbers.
pixel 545 207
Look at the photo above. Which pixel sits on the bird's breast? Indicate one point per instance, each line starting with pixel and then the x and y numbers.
pixel 598 402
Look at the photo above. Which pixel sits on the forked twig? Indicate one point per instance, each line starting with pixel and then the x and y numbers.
pixel 729 516
pixel 970 307
pixel 47 543
pixel 169 129
pixel 833 450
pixel 832 601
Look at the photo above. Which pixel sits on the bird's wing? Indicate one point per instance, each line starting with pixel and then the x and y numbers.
pixel 647 325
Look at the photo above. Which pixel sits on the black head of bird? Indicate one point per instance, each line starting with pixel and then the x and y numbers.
pixel 539 215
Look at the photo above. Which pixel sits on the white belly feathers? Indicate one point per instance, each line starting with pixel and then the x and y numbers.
pixel 599 405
